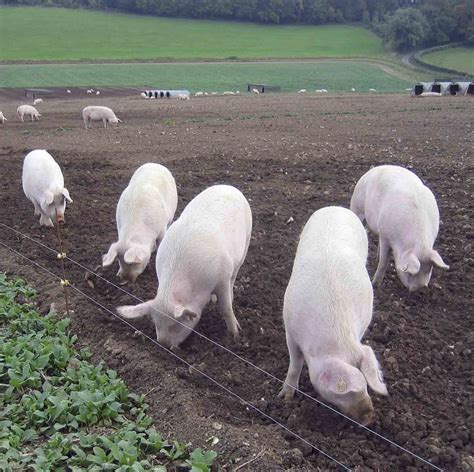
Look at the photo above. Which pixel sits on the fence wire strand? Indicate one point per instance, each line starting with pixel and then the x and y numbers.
pixel 176 356
pixel 246 361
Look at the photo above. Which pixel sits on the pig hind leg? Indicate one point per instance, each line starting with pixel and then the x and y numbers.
pixel 236 271
pixel 384 259
pixel 224 299
pixel 37 207
pixel 294 370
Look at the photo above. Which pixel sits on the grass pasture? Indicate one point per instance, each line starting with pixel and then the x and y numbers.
pixel 461 59
pixel 77 35
pixel 335 76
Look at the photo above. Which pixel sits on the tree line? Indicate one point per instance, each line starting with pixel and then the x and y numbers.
pixel 404 24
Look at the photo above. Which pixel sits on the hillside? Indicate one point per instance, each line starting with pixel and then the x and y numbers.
pixel 461 59
pixel 78 35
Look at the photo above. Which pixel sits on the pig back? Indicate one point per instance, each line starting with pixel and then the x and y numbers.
pixel 330 290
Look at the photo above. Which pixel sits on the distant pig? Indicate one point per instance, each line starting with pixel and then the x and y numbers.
pixel 99 113
pixel 27 110
pixel 404 214
pixel 199 257
pixel 43 184
pixel 326 310
pixel 145 210
pixel 2 118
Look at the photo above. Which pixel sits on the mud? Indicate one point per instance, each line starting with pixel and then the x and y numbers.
pixel 290 155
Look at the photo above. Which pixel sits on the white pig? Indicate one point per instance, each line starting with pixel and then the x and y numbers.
pixel 43 184
pixel 327 308
pixel 2 118
pixel 27 110
pixel 99 113
pixel 145 210
pixel 404 214
pixel 199 257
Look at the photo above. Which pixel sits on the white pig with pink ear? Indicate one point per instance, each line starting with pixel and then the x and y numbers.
pixel 144 211
pixel 327 308
pixel 43 185
pixel 199 257
pixel 404 214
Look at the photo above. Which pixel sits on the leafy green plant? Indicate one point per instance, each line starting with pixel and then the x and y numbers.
pixel 58 411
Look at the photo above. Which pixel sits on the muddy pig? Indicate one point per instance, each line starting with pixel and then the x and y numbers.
pixel 326 310
pixel 199 258
pixel 144 211
pixel 43 184
pixel 404 214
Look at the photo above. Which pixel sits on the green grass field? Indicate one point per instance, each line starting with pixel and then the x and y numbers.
pixel 56 34
pixel 334 76
pixel 461 59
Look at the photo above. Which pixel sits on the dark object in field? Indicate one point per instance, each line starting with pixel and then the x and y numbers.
pixel 262 88
pixel 33 93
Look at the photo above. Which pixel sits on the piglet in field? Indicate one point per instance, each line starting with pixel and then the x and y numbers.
pixel 404 214
pixel 99 113
pixel 327 308
pixel 27 110
pixel 43 184
pixel 145 210
pixel 199 257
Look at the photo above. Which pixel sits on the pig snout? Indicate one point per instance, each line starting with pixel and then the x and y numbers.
pixel 127 278
pixel 362 412
pixel 60 218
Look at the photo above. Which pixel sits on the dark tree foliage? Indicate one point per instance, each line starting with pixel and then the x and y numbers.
pixel 402 23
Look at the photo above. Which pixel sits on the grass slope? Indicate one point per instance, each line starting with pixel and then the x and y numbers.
pixel 461 59
pixel 335 76
pixel 56 34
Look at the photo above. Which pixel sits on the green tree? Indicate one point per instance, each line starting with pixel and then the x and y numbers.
pixel 406 29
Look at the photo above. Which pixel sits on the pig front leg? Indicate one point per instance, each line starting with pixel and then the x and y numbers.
pixel 294 370
pixel 224 300
pixel 46 221
pixel 384 258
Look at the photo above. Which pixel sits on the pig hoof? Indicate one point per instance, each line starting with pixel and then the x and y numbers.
pixel 287 393
pixel 376 282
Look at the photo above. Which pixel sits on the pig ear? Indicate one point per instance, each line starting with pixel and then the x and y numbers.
pixel 134 256
pixel 437 261
pixel 65 193
pixel 372 372
pixel 340 377
pixel 137 311
pixel 409 263
pixel 48 198
pixel 182 313
pixel 109 258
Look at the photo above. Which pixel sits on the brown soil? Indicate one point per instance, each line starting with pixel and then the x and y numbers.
pixel 290 155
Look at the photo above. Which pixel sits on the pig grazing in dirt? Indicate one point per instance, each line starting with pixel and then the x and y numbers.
pixel 404 214
pixel 43 184
pixel 99 113
pixel 199 257
pixel 327 308
pixel 27 110
pixel 145 210
pixel 2 118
